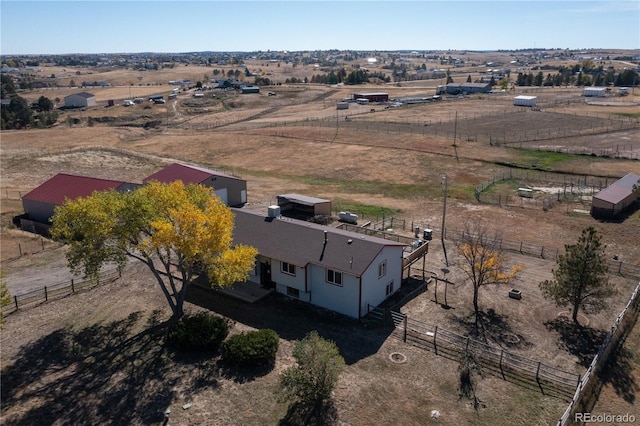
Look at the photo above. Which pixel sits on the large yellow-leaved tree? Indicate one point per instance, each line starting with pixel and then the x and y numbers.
pixel 483 260
pixel 179 231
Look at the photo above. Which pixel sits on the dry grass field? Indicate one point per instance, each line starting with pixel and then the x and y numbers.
pixel 105 361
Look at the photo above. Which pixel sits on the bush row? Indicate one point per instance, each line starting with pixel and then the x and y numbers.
pixel 208 332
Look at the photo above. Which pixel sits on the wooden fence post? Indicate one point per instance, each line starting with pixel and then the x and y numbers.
pixel 20 249
pixel 501 370
pixel 15 300
pixel 73 289
pixel 435 334
pixel 46 295
pixel 405 328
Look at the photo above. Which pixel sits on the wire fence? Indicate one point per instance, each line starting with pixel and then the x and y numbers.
pixel 380 229
pixel 587 390
pixel 59 290
pixel 27 246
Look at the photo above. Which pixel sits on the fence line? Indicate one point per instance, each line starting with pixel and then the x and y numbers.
pixel 585 391
pixel 27 247
pixel 494 360
pixel 59 290
pixel 378 229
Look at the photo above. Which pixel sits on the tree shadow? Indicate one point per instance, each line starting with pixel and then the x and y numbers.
pixel 300 414
pixel 492 328
pixel 102 374
pixel 581 342
pixel 244 374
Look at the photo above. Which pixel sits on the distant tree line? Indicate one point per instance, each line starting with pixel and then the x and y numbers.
pixel 584 73
pixel 18 114
pixel 358 76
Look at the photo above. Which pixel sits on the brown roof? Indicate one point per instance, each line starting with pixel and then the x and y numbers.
pixel 186 173
pixel 300 243
pixel 62 186
pixel 618 190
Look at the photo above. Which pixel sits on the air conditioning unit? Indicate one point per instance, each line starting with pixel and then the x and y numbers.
pixel 274 211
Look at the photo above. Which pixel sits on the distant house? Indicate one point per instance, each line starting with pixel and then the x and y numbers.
pixel 335 269
pixel 80 100
pixel 615 198
pixel 39 204
pixel 232 190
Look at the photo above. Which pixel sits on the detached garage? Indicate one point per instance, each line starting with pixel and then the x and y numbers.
pixel 80 100
pixel 231 190
pixel 615 198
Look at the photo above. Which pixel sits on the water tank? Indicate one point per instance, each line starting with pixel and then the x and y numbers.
pixel 427 235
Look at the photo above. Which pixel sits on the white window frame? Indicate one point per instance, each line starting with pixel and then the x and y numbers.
pixel 332 280
pixel 382 269
pixel 288 268
pixel 389 289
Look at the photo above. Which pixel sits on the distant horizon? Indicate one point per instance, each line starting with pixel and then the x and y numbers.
pixel 190 52
pixel 166 26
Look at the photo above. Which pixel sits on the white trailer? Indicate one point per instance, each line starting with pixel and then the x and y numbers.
pixel 342 105
pixel 522 100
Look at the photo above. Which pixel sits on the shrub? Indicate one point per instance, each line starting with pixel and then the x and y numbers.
pixel 252 348
pixel 200 332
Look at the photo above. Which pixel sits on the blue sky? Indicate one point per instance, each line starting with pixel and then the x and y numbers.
pixel 55 27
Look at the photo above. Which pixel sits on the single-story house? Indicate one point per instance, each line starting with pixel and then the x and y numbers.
pixel 339 270
pixel 80 100
pixel 615 198
pixel 39 204
pixel 231 189
pixel 303 207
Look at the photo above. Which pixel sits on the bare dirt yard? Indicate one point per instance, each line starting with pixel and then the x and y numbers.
pixel 105 358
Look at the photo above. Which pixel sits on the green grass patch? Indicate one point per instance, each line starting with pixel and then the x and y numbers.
pixel 628 114
pixel 543 160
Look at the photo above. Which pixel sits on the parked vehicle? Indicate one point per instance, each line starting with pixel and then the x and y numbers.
pixel 159 101
pixel 128 102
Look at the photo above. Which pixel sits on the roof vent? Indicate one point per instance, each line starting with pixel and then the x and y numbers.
pixel 274 211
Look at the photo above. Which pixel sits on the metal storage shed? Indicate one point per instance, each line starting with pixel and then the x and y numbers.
pixel 615 198
pixel 599 92
pixel 523 100
pixel 232 190
pixel 302 207
pixel 80 100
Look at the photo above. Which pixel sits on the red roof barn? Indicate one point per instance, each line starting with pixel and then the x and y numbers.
pixel 232 190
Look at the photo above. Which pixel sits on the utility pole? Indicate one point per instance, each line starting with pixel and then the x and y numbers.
pixel 444 215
